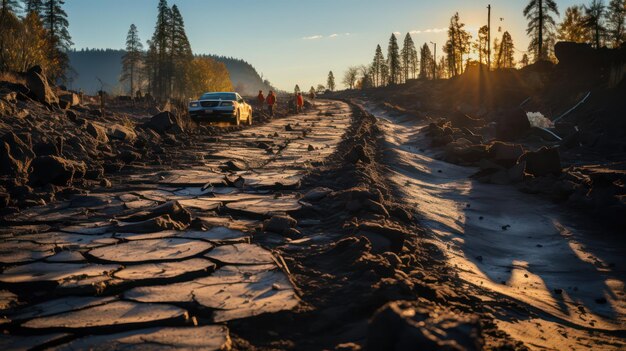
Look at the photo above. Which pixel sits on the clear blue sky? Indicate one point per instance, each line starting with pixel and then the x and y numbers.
pixel 294 41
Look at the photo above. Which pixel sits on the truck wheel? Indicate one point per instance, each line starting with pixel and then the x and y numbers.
pixel 238 121
pixel 249 121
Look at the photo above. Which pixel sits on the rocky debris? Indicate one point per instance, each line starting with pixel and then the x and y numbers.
pixel 542 162
pixel 55 170
pixel 401 326
pixel 37 82
pixel 97 131
pixel 15 155
pixel 70 98
pixel 120 132
pixel 165 122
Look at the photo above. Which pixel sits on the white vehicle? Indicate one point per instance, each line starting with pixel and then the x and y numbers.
pixel 221 107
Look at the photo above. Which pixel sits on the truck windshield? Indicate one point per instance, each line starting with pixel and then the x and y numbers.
pixel 218 96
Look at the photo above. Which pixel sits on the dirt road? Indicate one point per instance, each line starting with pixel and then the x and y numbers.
pixel 165 257
pixel 506 245
pixel 334 229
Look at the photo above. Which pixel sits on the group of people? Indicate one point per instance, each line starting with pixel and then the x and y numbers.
pixel 271 101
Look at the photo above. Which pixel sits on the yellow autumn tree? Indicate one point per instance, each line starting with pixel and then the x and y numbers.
pixel 204 74
pixel 25 44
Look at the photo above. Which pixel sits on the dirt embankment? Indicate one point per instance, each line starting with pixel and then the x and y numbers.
pixel 575 155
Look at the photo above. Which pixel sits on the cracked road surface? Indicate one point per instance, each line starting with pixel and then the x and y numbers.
pixel 166 258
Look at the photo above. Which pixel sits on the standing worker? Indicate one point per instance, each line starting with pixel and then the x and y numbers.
pixel 271 100
pixel 260 99
pixel 299 102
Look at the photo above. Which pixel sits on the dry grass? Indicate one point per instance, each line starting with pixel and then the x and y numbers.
pixel 12 77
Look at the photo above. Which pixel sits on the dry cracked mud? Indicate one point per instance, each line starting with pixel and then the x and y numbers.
pixel 164 259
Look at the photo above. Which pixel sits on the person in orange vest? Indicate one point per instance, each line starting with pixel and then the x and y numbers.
pixel 299 103
pixel 260 99
pixel 271 101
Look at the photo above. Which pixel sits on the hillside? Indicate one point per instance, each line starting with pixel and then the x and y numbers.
pixel 244 76
pixel 106 64
pixel 87 65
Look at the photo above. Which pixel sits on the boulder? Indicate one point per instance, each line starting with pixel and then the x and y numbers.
pixel 164 122
pixel 46 148
pixel 400 326
pixel 55 170
pixel 37 82
pixel 97 131
pixel 512 125
pixel 542 162
pixel 129 156
pixel 15 155
pixel 64 105
pixel 505 154
pixel 463 151
pixel 121 132
pixel 70 98
pixel 280 224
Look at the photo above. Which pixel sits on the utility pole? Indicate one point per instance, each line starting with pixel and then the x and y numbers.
pixel 488 37
pixel 435 61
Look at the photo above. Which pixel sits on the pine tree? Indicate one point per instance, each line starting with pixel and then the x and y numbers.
pixel 378 64
pixel 505 55
pixel 35 6
pixel 458 44
pixel 330 82
pixel 525 61
pixel 615 14
pixel 594 21
pixel 540 26
pixel 573 28
pixel 481 45
pixel 150 69
pixel 180 53
pixel 55 21
pixel 426 62
pixel 161 44
pixel 9 6
pixel 393 60
pixel 442 68
pixel 409 57
pixel 132 59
